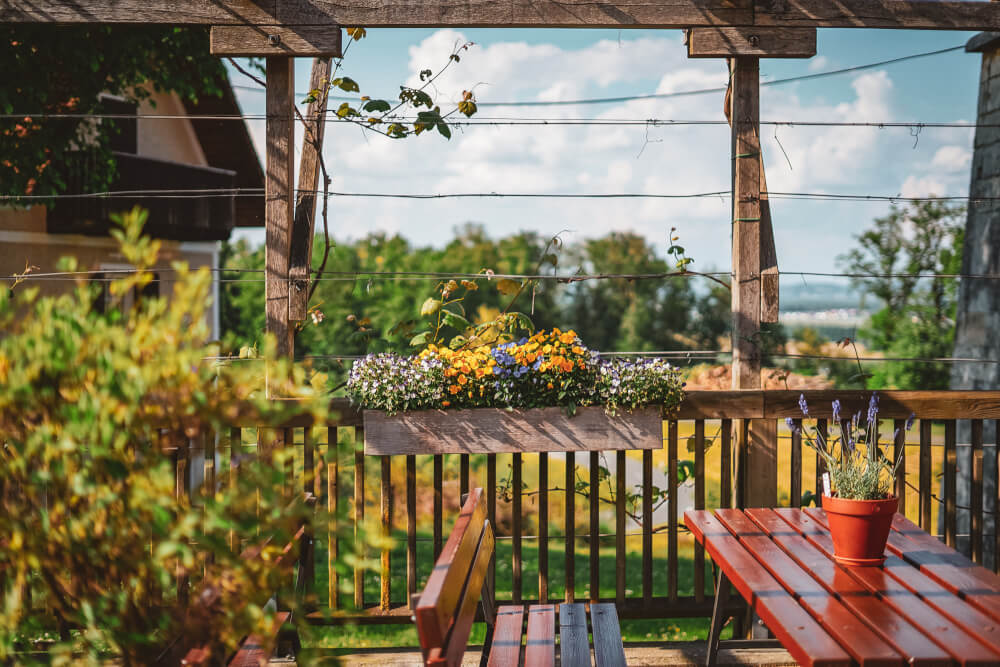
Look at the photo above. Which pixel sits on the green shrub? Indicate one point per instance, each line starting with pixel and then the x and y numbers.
pixel 92 536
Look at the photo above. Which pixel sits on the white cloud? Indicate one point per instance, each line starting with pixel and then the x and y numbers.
pixel 916 186
pixel 818 63
pixel 652 159
pixel 952 158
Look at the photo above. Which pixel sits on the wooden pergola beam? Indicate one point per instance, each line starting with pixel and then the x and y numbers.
pixel 899 14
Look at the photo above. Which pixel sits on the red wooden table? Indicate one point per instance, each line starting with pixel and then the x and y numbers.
pixel 927 605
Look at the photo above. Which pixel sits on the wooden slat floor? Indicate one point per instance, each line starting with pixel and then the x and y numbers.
pixel 638 654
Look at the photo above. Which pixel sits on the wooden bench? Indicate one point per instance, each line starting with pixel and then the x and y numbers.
pixel 254 650
pixel 459 584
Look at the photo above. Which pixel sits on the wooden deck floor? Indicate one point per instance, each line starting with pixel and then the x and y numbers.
pixel 639 654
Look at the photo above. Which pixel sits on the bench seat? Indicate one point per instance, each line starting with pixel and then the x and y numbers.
pixel 446 609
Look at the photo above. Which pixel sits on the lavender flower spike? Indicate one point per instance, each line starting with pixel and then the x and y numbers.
pixel 836 411
pixel 909 420
pixel 803 405
pixel 790 423
pixel 873 408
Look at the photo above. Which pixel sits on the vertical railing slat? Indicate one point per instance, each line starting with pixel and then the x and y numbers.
pixel 672 506
pixel 996 501
pixel 491 511
pixel 235 451
pixel 359 518
pixel 647 527
pixel 821 433
pixel 463 477
pixel 899 454
pixel 411 527
pixel 925 475
pixel 543 527
pixel 438 504
pixel 976 492
pixel 516 541
pixel 726 463
pixel 332 468
pixel 699 504
pixel 595 528
pixel 309 485
pixel 385 576
pixel 570 527
pixel 950 485
pixel 795 468
pixel 620 528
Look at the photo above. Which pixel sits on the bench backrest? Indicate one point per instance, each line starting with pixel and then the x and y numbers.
pixel 447 607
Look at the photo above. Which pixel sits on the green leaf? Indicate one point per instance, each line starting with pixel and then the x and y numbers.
pixel 431 306
pixel 377 106
pixel 421 339
pixel 444 130
pixel 347 84
pixel 454 320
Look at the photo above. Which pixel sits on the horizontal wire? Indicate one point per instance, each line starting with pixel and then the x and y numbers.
pixel 98 275
pixel 506 120
pixel 692 355
pixel 681 93
pixel 201 193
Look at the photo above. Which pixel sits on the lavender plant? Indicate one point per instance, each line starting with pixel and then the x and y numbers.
pixel 859 467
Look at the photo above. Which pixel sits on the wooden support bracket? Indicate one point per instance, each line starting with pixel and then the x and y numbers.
pixel 305 203
pixel 751 41
pixel 320 41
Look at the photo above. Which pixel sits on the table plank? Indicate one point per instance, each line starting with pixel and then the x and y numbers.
pixel 806 641
pixel 608 649
pixel 887 622
pixel 954 607
pixel 540 646
pixel 949 568
pixel 506 649
pixel 965 648
pixel 574 649
pixel 864 645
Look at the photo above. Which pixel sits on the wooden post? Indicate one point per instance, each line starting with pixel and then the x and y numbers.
pixel 278 212
pixel 761 450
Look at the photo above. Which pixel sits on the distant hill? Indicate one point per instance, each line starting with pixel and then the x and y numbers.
pixel 797 296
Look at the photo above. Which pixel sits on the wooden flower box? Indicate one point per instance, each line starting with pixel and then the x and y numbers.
pixel 498 431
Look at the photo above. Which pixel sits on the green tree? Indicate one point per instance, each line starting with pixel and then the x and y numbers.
pixel 916 318
pixel 91 407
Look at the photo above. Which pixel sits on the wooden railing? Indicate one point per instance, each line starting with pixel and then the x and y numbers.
pixel 543 510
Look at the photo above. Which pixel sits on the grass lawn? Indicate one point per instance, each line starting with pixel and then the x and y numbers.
pixel 681 629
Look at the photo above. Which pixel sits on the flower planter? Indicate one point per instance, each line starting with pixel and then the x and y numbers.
pixel 497 431
pixel 859 528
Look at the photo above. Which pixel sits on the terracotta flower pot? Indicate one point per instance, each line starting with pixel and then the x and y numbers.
pixel 859 529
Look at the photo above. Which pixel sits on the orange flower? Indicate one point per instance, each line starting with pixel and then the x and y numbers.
pixel 453 389
pixel 462 379
pixel 445 403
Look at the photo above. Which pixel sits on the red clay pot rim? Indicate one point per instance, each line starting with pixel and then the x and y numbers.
pixel 865 507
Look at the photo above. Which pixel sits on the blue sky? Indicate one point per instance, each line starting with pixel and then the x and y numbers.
pixel 530 65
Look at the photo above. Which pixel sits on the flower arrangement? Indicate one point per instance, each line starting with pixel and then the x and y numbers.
pixel 859 468
pixel 552 368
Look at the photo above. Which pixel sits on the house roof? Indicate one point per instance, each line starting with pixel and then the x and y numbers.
pixel 227 145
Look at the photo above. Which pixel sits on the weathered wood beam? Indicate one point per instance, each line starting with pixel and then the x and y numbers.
pixel 745 118
pixel 925 14
pixel 280 161
pixel 752 41
pixel 899 14
pixel 309 184
pixel 270 40
pixel 759 459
